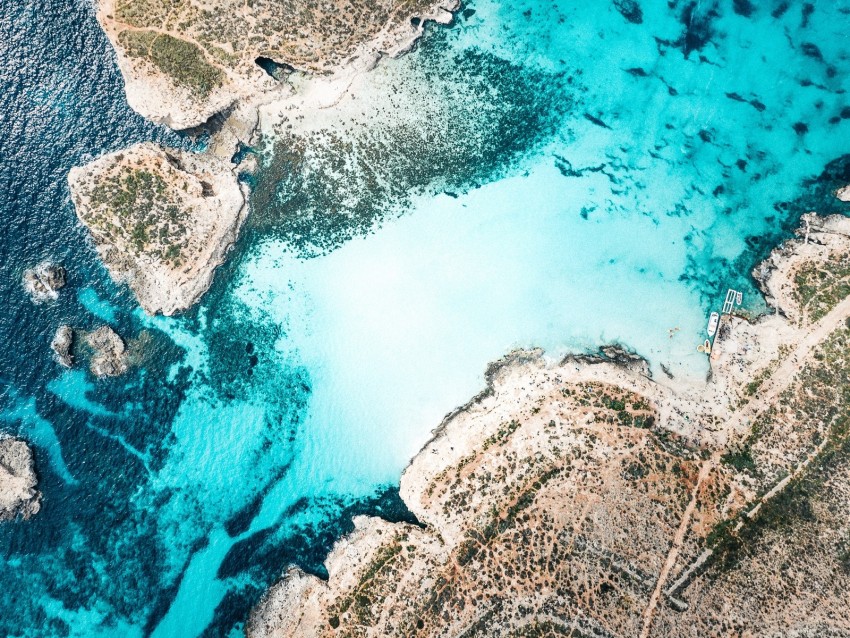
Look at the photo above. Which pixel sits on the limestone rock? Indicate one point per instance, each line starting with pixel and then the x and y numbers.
pixel 843 194
pixel 18 493
pixel 162 220
pixel 43 282
pixel 231 51
pixel 109 358
pixel 62 344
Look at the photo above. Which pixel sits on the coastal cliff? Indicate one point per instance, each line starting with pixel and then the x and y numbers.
pixel 583 497
pixel 18 494
pixel 162 220
pixel 184 62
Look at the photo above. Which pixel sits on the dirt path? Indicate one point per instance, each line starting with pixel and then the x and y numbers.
pixel 673 554
pixel 810 338
pixel 770 390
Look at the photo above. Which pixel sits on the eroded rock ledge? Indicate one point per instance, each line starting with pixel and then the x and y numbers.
pixel 18 494
pixel 183 61
pixel 582 497
pixel 162 220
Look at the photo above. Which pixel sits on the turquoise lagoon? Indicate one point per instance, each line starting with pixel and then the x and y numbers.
pixel 548 174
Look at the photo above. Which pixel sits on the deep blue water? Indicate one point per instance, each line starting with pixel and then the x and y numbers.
pixel 584 147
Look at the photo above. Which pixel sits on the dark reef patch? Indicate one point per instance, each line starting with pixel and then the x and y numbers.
pixel 780 9
pixel 743 8
pixel 698 20
pixel 630 10
pixel 805 14
pixel 811 50
pixel 595 120
pixel 484 114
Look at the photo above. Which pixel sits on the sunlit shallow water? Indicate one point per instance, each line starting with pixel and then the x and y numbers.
pixel 597 179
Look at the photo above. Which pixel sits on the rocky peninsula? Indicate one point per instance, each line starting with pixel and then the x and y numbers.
pixel 162 220
pixel 18 494
pixel 586 497
pixel 185 61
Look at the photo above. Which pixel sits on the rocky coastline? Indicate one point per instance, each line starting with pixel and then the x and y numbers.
pixel 19 496
pixel 584 495
pixel 162 220
pixel 183 64
pixel 187 68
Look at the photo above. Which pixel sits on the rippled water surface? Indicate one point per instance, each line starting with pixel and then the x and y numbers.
pixel 559 174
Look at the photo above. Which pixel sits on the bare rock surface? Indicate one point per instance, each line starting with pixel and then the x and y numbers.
pixel 109 354
pixel 18 494
pixel 43 282
pixel 62 345
pixel 584 497
pixel 843 194
pixel 162 220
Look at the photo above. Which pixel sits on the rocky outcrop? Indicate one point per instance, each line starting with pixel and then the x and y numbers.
pixel 183 63
pixel 62 345
pixel 18 494
pixel 109 355
pixel 584 497
pixel 162 220
pixel 43 282
pixel 843 194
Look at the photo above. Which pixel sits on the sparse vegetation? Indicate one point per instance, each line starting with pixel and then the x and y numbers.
pixel 182 61
pixel 821 286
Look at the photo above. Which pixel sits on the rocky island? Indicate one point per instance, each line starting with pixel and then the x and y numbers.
pixel 161 220
pixel 43 282
pixel 584 497
pixel 18 494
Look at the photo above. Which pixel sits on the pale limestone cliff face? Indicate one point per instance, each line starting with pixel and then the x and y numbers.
pixel 162 220
pixel 185 61
pixel 582 498
pixel 18 494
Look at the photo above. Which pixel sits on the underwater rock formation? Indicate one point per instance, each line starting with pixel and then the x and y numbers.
pixel 161 220
pixel 18 494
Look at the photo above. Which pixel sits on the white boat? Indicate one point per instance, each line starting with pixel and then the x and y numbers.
pixel 739 298
pixel 713 320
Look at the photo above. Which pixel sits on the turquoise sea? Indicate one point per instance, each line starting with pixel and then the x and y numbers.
pixel 553 173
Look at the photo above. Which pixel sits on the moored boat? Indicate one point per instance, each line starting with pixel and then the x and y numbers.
pixel 713 320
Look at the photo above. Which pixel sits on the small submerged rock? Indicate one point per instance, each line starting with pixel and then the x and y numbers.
pixel 109 355
pixel 43 282
pixel 62 344
pixel 18 494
